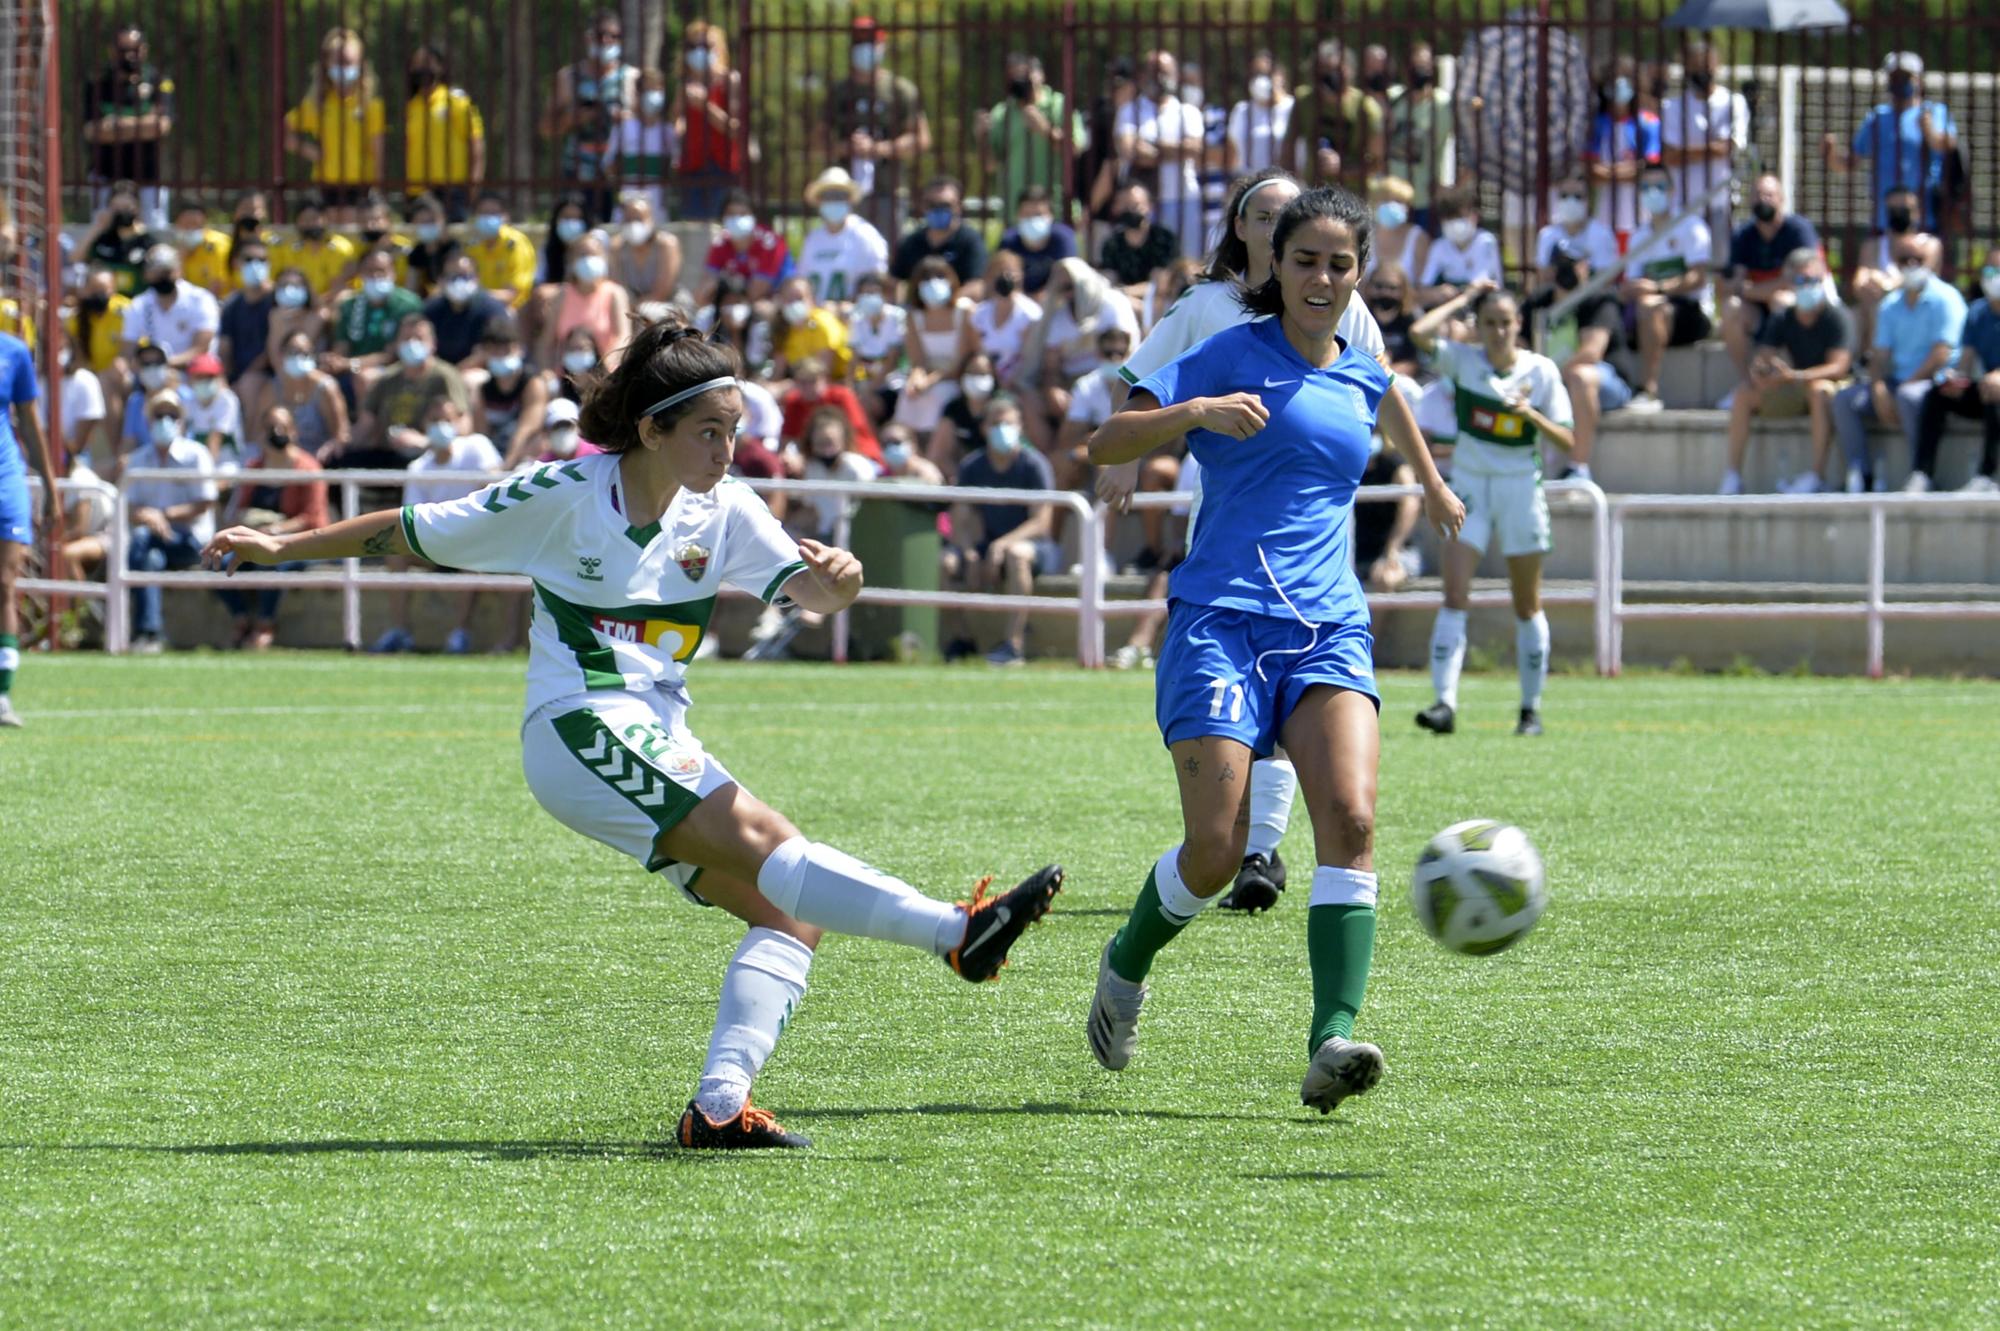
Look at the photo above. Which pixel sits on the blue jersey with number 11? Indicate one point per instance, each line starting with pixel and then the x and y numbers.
pixel 1270 533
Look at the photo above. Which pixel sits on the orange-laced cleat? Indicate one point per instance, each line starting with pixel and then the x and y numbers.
pixel 992 924
pixel 752 1129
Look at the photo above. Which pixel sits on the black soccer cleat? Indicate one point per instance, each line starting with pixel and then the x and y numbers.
pixel 1438 718
pixel 1258 884
pixel 1530 722
pixel 752 1129
pixel 992 924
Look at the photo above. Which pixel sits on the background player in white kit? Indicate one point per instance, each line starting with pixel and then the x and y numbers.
pixel 1507 400
pixel 627 552
pixel 1243 259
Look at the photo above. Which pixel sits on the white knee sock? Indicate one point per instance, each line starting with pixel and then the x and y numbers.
pixel 1531 654
pixel 1342 887
pixel 764 983
pixel 1447 655
pixel 1273 782
pixel 820 885
pixel 1178 901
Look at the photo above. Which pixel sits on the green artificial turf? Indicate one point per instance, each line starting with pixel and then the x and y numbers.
pixel 310 1017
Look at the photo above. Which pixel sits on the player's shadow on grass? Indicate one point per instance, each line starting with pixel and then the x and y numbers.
pixel 660 1151
pixel 1315 1176
pixel 1030 1108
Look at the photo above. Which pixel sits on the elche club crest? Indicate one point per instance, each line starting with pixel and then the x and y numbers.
pixel 693 560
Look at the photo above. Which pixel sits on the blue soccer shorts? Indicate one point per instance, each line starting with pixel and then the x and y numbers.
pixel 16 515
pixel 1239 674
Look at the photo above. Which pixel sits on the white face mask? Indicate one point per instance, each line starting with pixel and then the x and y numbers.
pixel 292 297
pixel 589 268
pixel 189 239
pixel 503 367
pixel 1036 230
pixel 736 314
pixel 868 304
pixel 1460 231
pixel 897 456
pixel 834 211
pixel 256 272
pixel 562 441
pixel 976 385
pixel 576 362
pixel 442 434
pixel 934 291
pixel 1811 297
pixel 1003 438
pixel 652 101
pixel 461 290
pixel 1654 201
pixel 414 352
pixel 298 367
pixel 797 311
pixel 1915 277
pixel 1261 88
pixel 638 233
pixel 1989 282
pixel 377 289
pixel 428 232
pixel 205 390
pixel 863 57
pixel 569 230
pixel 166 429
pixel 739 225
pixel 152 376
pixel 1570 212
pixel 1392 213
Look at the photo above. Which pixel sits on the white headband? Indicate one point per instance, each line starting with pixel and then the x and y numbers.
pixel 727 381
pixel 1243 204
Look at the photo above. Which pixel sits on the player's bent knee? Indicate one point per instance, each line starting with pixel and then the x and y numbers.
pixel 1209 862
pixel 1345 828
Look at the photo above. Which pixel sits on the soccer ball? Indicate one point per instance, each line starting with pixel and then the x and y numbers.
pixel 1478 887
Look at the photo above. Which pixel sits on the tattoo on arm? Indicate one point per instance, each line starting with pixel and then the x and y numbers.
pixel 1192 766
pixel 381 542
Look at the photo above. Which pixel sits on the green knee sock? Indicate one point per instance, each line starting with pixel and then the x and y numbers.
pixel 1341 942
pixel 10 656
pixel 1147 930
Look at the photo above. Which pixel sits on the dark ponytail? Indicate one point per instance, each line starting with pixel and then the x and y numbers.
pixel 1230 259
pixel 661 360
pixel 1329 202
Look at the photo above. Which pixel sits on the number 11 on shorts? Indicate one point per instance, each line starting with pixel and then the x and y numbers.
pixel 1226 694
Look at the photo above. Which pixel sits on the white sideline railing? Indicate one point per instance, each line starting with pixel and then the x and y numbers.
pixel 80 589
pixel 1874 607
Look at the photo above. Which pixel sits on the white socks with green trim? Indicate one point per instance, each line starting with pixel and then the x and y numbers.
pixel 820 885
pixel 764 983
pixel 1273 782
pixel 1447 655
pixel 1531 655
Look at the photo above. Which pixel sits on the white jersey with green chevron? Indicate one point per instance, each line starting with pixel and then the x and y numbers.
pixel 1493 438
pixel 615 606
pixel 1206 308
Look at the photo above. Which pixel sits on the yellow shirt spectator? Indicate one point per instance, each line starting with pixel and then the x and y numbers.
pixel 441 127
pixel 107 335
pixel 346 130
pixel 13 320
pixel 207 264
pixel 505 263
pixel 322 261
pixel 822 334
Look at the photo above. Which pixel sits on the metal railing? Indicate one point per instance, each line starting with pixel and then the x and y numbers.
pixel 1874 607
pixel 79 588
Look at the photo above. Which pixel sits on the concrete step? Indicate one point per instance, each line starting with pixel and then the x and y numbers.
pixel 1690 377
pixel 1686 451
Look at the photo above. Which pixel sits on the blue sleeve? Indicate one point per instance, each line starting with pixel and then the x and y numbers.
pixel 1808 233
pixel 1649 139
pixel 23 388
pixel 1951 322
pixel 1194 373
pixel 1063 241
pixel 1942 115
pixel 135 417
pixel 1864 136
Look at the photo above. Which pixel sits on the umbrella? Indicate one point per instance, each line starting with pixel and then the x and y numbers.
pixel 1760 15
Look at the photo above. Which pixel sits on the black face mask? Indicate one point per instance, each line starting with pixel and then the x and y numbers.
pixel 280 440
pixel 1765 212
pixel 373 234
pixel 1900 220
pixel 1020 89
pixel 1567 277
pixel 130 62
pixel 96 303
pixel 1701 81
pixel 1422 78
pixel 246 226
pixel 420 79
pixel 1131 219
pixel 1902 86
pixel 1378 83
pixel 1003 285
pixel 163 286
pixel 123 218
pixel 1334 82
pixel 313 232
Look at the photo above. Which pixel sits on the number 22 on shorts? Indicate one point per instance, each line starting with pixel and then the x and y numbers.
pixel 1227 695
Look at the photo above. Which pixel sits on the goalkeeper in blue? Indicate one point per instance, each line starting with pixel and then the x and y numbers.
pixel 1267 638
pixel 627 552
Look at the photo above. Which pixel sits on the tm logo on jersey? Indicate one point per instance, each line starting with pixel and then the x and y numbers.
pixel 587 566
pixel 693 560
pixel 653 633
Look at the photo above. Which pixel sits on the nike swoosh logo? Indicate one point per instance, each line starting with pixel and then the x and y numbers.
pixel 1278 383
pixel 999 915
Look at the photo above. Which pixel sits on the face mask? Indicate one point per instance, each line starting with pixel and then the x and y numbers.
pixel 739 225
pixel 1378 83
pixel 292 296
pixel 414 352
pixel 1004 285
pixel 1567 275
pixel 1192 96
pixel 1654 201
pixel 697 59
pixel 189 239
pixel 562 441
pixel 1261 88
pixel 123 217
pixel 461 290
pixel 312 233
pixel 1004 438
pixel 1020 89
pixel 420 79
pixel 1764 212
pixel 1989 282
pixel 1392 213
pixel 1422 78
pixel 1131 219
pixel 162 286
pixel 298 367
pixel 590 268
pixel 796 311
pixel 441 434
pixel 1460 231
pixel 503 367
pixel 1916 277
pixel 256 272
pixel 835 211
pixel 938 218
pixel 868 304
pixel 165 430
pixel 976 385
pixel 1037 230
pixel 205 390
pixel 247 226
pixel 1811 296
pixel 279 441
pixel 1701 80
pixel 610 52
pixel 738 314
pixel 1570 212
pixel 63 357
pixel 652 101
pixel 97 303
pixel 934 291
pixel 1900 220
pixel 1621 92
pixel 577 362
pixel 863 57
pixel 152 376
pixel 569 230
pixel 896 455
pixel 638 233
pixel 1901 86
pixel 428 232
pixel 130 63
pixel 487 225
pixel 377 289
pixel 373 234
pixel 1110 370
pixel 1333 81
pixel 344 74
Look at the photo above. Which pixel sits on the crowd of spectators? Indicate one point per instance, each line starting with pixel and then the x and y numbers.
pixel 897 338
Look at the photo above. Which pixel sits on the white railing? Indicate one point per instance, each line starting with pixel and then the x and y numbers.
pixel 1874 607
pixel 77 588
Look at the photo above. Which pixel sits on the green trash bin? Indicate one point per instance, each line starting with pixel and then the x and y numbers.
pixel 897 543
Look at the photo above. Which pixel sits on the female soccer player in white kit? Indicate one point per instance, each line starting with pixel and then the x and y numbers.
pixel 627 552
pixel 1508 400
pixel 1242 260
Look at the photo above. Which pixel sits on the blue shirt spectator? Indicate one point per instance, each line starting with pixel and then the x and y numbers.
pixel 1904 140
pixel 1982 335
pixel 1908 331
pixel 1057 241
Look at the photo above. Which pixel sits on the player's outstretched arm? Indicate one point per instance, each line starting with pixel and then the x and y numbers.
pixel 356 538
pixel 1142 424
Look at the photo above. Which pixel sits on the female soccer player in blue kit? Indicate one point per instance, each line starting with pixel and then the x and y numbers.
pixel 1267 639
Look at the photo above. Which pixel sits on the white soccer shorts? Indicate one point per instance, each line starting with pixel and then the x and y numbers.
pixel 1510 508
pixel 622 768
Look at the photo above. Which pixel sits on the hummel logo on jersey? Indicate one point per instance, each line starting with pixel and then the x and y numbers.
pixel 1277 383
pixel 999 915
pixel 693 560
pixel 587 566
